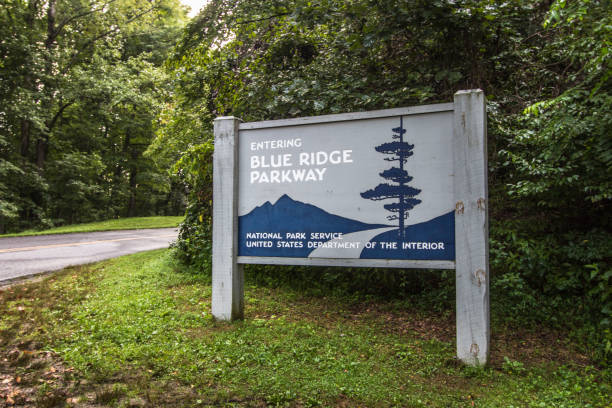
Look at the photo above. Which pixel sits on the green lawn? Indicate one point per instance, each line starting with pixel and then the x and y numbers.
pixel 133 329
pixel 118 224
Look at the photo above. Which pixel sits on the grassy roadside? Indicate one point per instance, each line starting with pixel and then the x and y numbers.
pixel 133 332
pixel 109 225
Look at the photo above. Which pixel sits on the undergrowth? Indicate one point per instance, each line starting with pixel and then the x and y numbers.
pixel 135 328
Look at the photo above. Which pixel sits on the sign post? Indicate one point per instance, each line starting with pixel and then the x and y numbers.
pixel 228 275
pixel 402 188
pixel 471 227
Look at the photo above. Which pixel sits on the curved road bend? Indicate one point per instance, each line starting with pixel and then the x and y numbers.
pixel 21 257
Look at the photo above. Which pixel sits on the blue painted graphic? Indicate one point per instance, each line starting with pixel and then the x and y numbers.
pixel 285 228
pixel 332 215
pixel 290 228
pixel 400 151
pixel 431 240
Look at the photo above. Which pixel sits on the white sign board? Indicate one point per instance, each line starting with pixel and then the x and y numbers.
pixel 400 187
pixel 377 188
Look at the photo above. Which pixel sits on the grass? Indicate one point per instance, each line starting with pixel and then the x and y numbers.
pixel 133 327
pixel 109 225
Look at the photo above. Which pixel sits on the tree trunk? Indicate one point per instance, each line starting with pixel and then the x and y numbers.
pixel 128 155
pixel 51 13
pixel 25 137
pixel 132 202
pixel 24 147
pixel 41 151
pixel 42 144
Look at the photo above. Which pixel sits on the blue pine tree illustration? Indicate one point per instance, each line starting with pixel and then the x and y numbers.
pixel 400 191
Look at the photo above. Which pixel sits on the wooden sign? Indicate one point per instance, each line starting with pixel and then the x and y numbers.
pixel 401 187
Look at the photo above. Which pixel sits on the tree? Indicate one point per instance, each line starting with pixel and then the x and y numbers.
pixel 81 86
pixel 563 156
pixel 402 192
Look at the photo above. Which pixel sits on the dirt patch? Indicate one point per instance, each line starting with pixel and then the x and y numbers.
pixel 530 346
pixel 34 378
pixel 537 345
pixel 328 312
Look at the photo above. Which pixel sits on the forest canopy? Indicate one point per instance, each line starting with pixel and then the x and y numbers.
pixel 81 89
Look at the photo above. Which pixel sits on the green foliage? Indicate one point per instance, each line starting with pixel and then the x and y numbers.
pixel 135 322
pixel 513 367
pixel 560 160
pixel 563 279
pixel 75 175
pixel 303 58
pixel 109 225
pixel 80 91
pixel 195 237
pixel 8 209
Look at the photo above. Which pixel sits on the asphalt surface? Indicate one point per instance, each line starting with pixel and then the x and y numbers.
pixel 22 257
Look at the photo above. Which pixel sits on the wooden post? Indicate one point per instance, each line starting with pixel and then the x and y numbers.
pixel 471 227
pixel 227 274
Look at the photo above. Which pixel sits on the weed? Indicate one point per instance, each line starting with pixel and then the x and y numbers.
pixel 110 394
pixel 49 397
pixel 513 367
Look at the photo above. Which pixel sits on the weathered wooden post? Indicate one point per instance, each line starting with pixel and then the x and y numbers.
pixel 227 274
pixel 471 227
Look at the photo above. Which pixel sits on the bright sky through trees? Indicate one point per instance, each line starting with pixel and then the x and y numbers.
pixel 195 5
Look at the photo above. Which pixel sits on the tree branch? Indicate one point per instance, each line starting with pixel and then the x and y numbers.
pixel 87 44
pixel 58 115
pixel 70 19
pixel 263 18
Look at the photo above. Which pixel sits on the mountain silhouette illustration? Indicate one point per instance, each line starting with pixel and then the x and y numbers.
pixel 437 230
pixel 287 215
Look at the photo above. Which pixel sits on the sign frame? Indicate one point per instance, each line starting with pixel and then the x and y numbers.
pixel 470 194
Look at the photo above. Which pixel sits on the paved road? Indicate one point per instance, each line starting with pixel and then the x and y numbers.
pixel 25 256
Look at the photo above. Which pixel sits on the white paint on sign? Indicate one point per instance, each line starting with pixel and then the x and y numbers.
pixel 330 164
pixel 347 246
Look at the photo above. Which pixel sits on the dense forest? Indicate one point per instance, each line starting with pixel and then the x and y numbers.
pixel 106 110
pixel 82 86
